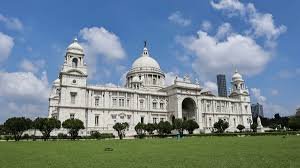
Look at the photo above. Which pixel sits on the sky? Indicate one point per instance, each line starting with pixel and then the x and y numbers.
pixel 198 38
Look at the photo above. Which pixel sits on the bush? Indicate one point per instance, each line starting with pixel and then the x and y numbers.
pixel 190 126
pixel 240 127
pixel 95 135
pixel 26 136
pixel 221 126
pixel 164 128
pixel 73 126
pixel 106 135
pixel 62 136
pixel 140 130
pixel 294 123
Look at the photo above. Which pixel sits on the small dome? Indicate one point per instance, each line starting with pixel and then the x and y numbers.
pixel 75 47
pixel 145 61
pixel 237 76
pixel 56 81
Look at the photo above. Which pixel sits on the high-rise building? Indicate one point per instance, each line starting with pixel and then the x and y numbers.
pixel 222 89
pixel 257 110
pixel 298 112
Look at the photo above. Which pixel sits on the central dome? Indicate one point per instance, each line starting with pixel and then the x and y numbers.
pixel 75 47
pixel 145 61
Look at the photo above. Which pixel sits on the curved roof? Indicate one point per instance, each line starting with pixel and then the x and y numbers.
pixel 75 47
pixel 145 61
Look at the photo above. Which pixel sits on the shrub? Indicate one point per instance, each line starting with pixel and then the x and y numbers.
pixel 26 136
pixel 140 130
pixel 150 128
pixel 17 125
pixel 46 125
pixel 120 128
pixel 253 126
pixel 294 123
pixel 95 135
pixel 164 127
pixel 190 126
pixel 240 127
pixel 62 136
pixel 221 126
pixel 73 125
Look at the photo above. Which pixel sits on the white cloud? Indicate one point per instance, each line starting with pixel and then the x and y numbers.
pixel 23 94
pixel 11 22
pixel 262 24
pixel 215 56
pixel 257 95
pixel 32 66
pixel 6 45
pixel 177 18
pixel 274 92
pixel 23 85
pixel 211 86
pixel 206 25
pixel 224 31
pixel 99 42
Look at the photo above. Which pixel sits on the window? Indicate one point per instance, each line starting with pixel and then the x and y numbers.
pixel 154 81
pixel 74 81
pixel 72 116
pixel 142 120
pixel 234 122
pixel 128 117
pixel 128 102
pixel 73 96
pixel 122 117
pixel 161 105
pixel 113 116
pixel 97 101
pixel 162 119
pixel 114 102
pixel 141 104
pixel 74 62
pixel 209 122
pixel 154 105
pixel 121 102
pixel 96 120
pixel 154 120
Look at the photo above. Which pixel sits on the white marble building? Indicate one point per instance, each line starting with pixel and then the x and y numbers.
pixel 144 98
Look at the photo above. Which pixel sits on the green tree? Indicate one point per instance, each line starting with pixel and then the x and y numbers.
pixel 294 123
pixel 46 126
pixel 17 125
pixel 253 126
pixel 240 127
pixel 190 126
pixel 140 129
pixel 178 124
pixel 164 127
pixel 73 126
pixel 2 130
pixel 150 128
pixel 121 128
pixel 221 126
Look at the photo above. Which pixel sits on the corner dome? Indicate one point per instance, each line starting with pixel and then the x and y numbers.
pixel 236 76
pixel 75 47
pixel 145 61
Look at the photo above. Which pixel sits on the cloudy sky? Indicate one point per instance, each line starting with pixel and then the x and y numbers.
pixel 199 38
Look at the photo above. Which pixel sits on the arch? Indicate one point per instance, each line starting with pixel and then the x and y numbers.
pixel 188 109
pixel 74 62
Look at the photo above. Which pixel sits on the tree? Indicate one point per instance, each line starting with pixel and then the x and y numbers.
pixel 221 126
pixel 294 123
pixel 140 129
pixel 2 130
pixel 164 127
pixel 240 127
pixel 190 126
pixel 121 128
pixel 253 126
pixel 150 128
pixel 178 124
pixel 73 125
pixel 17 125
pixel 46 126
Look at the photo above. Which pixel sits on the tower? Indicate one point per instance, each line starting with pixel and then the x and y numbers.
pixel 222 89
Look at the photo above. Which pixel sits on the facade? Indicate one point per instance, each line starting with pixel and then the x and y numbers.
pixel 257 110
pixel 221 82
pixel 144 98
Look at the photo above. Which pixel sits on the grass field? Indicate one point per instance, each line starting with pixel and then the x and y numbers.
pixel 263 151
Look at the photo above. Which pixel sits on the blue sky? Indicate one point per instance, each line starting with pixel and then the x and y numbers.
pixel 199 38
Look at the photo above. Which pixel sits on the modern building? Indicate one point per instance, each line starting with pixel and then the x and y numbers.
pixel 222 88
pixel 298 112
pixel 257 110
pixel 144 98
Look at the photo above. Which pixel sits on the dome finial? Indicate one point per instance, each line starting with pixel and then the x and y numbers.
pixel 75 40
pixel 145 43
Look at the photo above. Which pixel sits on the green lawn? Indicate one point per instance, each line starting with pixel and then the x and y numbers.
pixel 210 152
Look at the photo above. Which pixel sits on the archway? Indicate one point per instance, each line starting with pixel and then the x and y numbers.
pixel 74 62
pixel 188 109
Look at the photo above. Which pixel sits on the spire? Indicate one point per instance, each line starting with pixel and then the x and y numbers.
pixel 145 51
pixel 75 40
